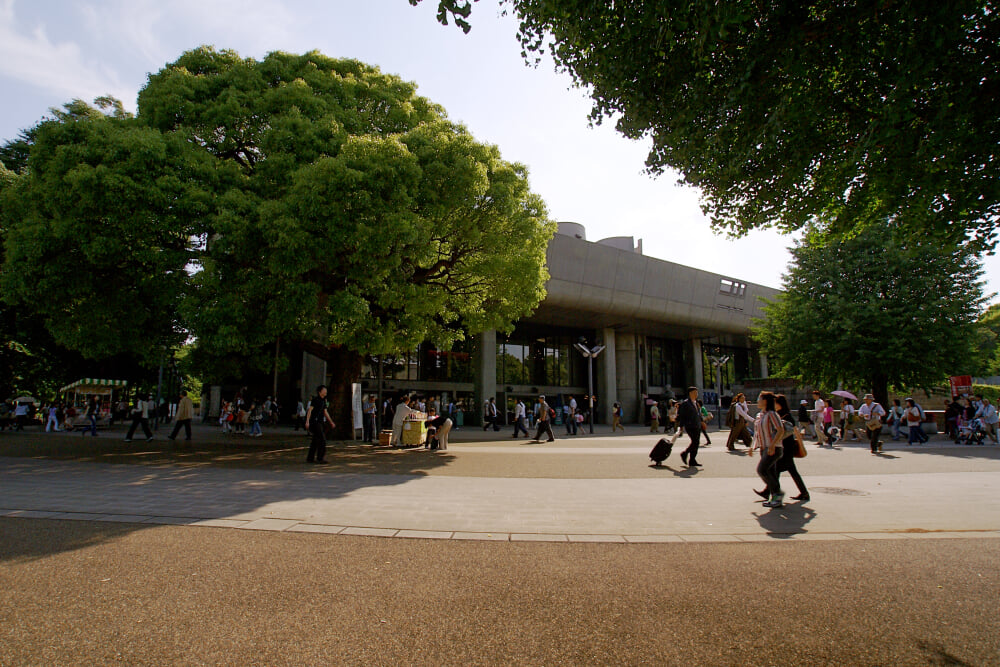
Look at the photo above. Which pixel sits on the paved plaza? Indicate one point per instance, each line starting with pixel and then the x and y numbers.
pixel 491 487
pixel 575 552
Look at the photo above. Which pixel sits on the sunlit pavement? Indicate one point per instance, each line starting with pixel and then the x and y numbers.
pixel 488 486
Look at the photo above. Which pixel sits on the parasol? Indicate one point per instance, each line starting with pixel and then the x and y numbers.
pixel 844 394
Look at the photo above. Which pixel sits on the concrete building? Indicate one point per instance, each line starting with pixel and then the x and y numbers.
pixel 660 323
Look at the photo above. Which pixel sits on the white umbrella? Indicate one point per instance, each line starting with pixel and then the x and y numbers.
pixel 26 399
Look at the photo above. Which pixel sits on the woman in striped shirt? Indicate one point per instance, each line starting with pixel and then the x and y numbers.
pixel 767 435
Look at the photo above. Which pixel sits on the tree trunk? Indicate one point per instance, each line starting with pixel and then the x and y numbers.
pixel 344 367
pixel 880 389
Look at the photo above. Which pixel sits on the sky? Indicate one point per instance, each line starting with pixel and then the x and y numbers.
pixel 52 51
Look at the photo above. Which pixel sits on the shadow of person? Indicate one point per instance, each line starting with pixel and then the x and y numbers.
pixel 786 521
pixel 686 472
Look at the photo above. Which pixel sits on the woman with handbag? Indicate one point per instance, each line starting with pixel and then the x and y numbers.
pixel 792 447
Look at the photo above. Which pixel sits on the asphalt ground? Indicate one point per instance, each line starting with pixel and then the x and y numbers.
pixel 81 593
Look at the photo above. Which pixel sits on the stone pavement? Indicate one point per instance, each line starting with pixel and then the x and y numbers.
pixel 940 491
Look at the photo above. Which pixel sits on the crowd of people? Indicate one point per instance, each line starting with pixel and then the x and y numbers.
pixel 246 416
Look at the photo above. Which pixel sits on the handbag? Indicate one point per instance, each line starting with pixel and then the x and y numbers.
pixel 873 423
pixel 801 453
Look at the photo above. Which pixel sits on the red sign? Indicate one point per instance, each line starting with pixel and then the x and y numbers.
pixel 961 385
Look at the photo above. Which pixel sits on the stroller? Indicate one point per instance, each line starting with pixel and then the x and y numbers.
pixel 971 432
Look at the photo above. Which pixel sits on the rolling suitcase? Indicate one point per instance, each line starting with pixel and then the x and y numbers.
pixel 661 451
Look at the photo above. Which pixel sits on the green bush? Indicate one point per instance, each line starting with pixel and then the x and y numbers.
pixel 990 391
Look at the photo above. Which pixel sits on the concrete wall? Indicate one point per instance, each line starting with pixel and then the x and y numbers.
pixel 603 279
pixel 627 377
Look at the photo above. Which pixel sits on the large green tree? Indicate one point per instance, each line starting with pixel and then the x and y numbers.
pixel 780 112
pixel 296 198
pixel 873 311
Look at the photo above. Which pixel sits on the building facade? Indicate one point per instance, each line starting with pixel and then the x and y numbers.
pixel 661 324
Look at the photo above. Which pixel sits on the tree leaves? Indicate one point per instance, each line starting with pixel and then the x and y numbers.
pixel 787 112
pixel 874 310
pixel 298 197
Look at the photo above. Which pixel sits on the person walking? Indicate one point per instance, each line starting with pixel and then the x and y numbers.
pixel 952 413
pixel 616 418
pixel 804 422
pixel 706 417
pixel 185 413
pixel 255 415
pixel 789 449
pixel 847 419
pixel 140 417
pixel 689 419
pixel 316 418
pixel 519 416
pixel 912 416
pixel 93 410
pixel 571 423
pixel 872 414
pixel 741 418
pixel 654 418
pixel 544 420
pixel 895 419
pixel 818 414
pixel 768 433
pixel 491 416
pixel 53 422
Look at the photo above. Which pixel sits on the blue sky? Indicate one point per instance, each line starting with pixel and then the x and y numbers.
pixel 54 50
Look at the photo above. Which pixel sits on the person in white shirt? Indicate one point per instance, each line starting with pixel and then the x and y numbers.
pixel 817 416
pixel 987 413
pixel 847 418
pixel 741 418
pixel 872 413
pixel 519 416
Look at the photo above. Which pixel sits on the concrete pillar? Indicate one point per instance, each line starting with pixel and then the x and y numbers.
pixel 699 371
pixel 627 363
pixel 485 370
pixel 606 383
pixel 313 375
pixel 763 366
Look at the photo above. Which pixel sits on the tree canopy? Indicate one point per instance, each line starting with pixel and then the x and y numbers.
pixel 873 311
pixel 298 196
pixel 785 112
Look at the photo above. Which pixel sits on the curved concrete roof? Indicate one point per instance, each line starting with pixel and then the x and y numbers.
pixel 597 278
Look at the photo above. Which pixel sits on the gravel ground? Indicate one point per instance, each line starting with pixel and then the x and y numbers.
pixel 75 592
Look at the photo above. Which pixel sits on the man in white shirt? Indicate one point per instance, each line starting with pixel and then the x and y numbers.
pixel 987 413
pixel 571 417
pixel 519 415
pixel 872 412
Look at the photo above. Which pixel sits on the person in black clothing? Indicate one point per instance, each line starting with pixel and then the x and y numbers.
pixel 93 408
pixel 951 414
pixel 689 418
pixel 316 416
pixel 789 447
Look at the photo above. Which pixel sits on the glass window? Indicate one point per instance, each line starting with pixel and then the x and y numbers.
pixel 665 362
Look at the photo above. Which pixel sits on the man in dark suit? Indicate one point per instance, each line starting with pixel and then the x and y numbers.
pixel 689 417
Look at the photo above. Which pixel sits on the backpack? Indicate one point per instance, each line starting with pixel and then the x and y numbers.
pixel 731 415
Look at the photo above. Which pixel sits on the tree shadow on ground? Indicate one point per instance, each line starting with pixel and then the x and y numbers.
pixel 786 521
pixel 184 482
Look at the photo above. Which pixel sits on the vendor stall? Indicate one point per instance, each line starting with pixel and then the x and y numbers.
pixel 93 387
pixel 414 429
